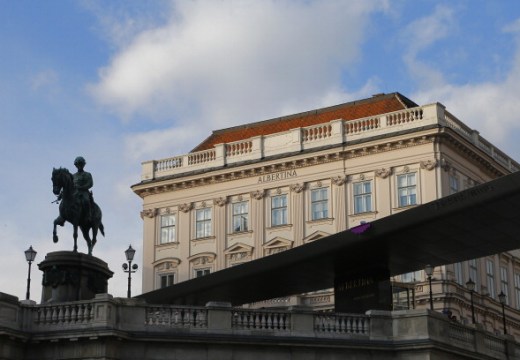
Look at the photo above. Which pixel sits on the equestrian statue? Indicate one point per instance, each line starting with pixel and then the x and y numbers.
pixel 77 205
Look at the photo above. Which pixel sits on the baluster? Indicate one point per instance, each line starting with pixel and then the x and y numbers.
pixel 74 314
pixel 81 312
pixel 54 318
pixel 67 314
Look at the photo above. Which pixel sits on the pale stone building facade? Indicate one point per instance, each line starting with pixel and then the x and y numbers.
pixel 261 188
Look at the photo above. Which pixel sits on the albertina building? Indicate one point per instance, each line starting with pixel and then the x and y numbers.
pixel 261 188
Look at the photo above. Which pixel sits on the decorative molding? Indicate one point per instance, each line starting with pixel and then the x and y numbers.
pixel 258 194
pixel 361 177
pixel 239 253
pixel 167 264
pixel 339 180
pixel 429 164
pixel 202 258
pixel 297 188
pixel 165 211
pixel 383 173
pixel 406 169
pixel 221 201
pixel 149 213
pixel 185 207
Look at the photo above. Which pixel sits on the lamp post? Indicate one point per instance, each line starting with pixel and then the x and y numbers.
pixel 470 284
pixel 428 270
pixel 502 299
pixel 30 255
pixel 129 268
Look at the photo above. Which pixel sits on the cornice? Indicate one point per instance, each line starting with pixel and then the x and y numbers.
pixel 339 153
pixel 486 163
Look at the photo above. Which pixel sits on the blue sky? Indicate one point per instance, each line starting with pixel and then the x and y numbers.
pixel 124 82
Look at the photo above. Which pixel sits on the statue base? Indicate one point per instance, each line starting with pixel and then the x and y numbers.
pixel 73 276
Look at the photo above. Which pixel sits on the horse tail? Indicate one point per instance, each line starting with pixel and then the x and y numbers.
pixel 102 228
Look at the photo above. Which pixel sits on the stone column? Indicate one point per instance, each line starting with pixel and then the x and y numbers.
pixel 339 202
pixel 220 231
pixel 297 213
pixel 258 221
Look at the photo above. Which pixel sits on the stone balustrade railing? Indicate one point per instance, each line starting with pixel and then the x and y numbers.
pixel 316 136
pixel 105 315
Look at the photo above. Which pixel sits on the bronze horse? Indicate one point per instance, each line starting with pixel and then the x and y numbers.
pixel 71 210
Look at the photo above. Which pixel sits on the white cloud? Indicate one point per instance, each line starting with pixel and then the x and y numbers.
pixel 491 107
pixel 217 62
pixel 421 34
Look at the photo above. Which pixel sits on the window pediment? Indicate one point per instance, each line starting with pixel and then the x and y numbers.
pixel 202 258
pixel 167 263
pixel 276 245
pixel 238 247
pixel 315 236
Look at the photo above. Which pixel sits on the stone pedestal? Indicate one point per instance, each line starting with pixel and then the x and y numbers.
pixel 73 276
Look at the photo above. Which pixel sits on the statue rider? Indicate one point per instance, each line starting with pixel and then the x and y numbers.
pixel 82 184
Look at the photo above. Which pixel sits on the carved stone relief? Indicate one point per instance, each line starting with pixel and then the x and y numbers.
pixel 149 213
pixel 185 207
pixel 429 164
pixel 258 194
pixel 221 201
pixel 339 180
pixel 383 173
pixel 297 188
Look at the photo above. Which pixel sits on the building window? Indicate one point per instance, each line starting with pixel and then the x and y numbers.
pixel 490 276
pixel 411 276
pixel 473 273
pixel 362 197
pixel 203 223
pixel 201 272
pixel 517 290
pixel 240 216
pixel 319 203
pixel 166 280
pixel 504 284
pixel 459 275
pixel 454 184
pixel 407 190
pixel 279 210
pixel 167 229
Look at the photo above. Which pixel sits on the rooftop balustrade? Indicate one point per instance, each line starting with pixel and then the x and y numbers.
pixel 335 132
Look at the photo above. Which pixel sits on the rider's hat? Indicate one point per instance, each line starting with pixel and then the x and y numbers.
pixel 79 160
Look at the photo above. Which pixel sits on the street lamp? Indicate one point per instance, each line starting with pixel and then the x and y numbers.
pixel 129 268
pixel 502 299
pixel 428 270
pixel 30 255
pixel 470 284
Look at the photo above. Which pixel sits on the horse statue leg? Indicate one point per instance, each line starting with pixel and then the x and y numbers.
pixel 58 221
pixel 75 236
pixel 85 229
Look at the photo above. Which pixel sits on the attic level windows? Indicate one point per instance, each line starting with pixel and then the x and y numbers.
pixel 240 216
pixel 203 223
pixel 362 197
pixel 279 210
pixel 319 203
pixel 167 229
pixel 407 189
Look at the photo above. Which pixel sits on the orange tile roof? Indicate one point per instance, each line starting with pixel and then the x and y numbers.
pixel 378 104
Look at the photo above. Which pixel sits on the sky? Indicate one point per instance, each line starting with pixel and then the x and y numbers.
pixel 122 82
